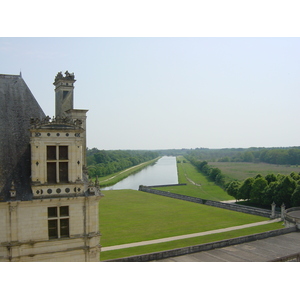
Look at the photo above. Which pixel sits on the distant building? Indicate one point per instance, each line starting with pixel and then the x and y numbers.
pixel 48 208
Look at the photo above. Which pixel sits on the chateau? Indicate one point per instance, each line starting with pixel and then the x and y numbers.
pixel 48 207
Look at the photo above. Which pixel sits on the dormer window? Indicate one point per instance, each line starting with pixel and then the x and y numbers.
pixel 57 164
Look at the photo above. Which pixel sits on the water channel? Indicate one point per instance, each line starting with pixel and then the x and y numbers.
pixel 164 171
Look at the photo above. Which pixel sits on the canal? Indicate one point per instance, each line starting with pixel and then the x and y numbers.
pixel 164 171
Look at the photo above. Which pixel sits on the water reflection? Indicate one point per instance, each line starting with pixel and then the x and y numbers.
pixel 164 171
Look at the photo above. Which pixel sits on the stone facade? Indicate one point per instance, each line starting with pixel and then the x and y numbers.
pixel 24 232
pixel 58 218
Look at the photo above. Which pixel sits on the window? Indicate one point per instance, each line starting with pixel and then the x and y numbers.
pixel 57 164
pixel 58 222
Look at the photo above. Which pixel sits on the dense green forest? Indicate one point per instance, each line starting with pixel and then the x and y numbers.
pixel 279 156
pixel 106 162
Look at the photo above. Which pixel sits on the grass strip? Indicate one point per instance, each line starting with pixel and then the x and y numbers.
pixel 113 254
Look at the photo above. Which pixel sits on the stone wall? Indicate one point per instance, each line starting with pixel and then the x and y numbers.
pixel 231 206
pixel 24 230
pixel 203 247
pixel 166 185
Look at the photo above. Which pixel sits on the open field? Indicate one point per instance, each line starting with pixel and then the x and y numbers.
pixel 198 185
pixel 128 216
pixel 116 177
pixel 242 170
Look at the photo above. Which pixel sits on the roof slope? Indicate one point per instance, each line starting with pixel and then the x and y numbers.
pixel 17 106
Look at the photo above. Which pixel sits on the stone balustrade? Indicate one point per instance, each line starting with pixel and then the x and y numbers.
pixel 292 217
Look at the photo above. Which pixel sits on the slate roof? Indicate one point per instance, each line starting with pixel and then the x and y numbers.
pixel 17 106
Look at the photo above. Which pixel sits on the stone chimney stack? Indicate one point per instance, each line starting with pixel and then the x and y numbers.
pixel 64 93
pixel 64 102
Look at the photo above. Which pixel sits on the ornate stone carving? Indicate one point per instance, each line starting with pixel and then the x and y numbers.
pixel 69 76
pixel 37 123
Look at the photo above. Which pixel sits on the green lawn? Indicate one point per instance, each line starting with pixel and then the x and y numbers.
pixel 188 242
pixel 128 216
pixel 243 170
pixel 206 189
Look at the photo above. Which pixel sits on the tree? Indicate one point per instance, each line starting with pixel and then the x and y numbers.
pixel 248 156
pixel 258 189
pixel 270 193
pixel 245 189
pixel 295 176
pixel 284 191
pixel 295 199
pixel 233 189
pixel 271 178
pixel 214 172
pixel 220 180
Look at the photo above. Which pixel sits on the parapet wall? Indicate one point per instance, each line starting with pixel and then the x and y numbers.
pixel 231 206
pixel 292 217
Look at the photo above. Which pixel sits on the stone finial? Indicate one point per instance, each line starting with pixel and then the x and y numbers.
pixel 91 187
pixel 85 169
pixel 273 210
pixel 282 211
pixel 97 184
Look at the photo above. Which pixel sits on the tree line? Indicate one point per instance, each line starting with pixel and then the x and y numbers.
pixel 263 191
pixel 279 156
pixel 212 173
pixel 105 162
pixel 259 190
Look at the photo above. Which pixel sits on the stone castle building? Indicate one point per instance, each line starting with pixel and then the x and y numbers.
pixel 48 208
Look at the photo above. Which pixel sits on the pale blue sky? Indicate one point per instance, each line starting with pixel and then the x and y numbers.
pixel 161 93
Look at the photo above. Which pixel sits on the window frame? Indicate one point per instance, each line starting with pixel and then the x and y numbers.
pixel 59 164
pixel 58 222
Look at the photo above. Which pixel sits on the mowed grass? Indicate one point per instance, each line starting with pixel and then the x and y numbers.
pixel 188 242
pixel 128 216
pixel 205 188
pixel 242 170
